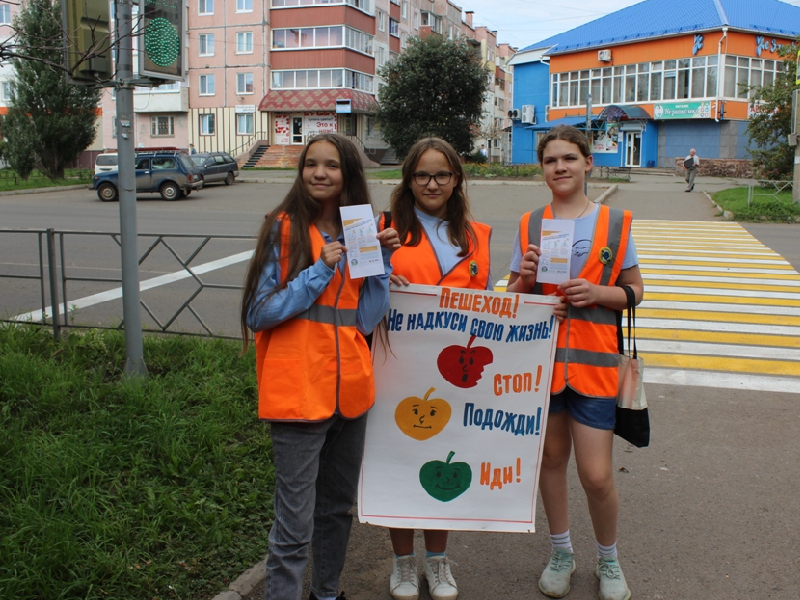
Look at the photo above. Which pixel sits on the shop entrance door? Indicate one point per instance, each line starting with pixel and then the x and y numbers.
pixel 633 149
pixel 297 130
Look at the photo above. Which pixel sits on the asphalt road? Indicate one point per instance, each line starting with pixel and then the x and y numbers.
pixel 710 510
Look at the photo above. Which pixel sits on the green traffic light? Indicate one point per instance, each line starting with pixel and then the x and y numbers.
pixel 162 42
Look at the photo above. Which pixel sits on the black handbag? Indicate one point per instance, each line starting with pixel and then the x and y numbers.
pixel 631 425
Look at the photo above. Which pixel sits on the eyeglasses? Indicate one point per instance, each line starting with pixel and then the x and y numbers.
pixel 423 179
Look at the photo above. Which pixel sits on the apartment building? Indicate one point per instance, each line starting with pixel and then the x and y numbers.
pixel 278 71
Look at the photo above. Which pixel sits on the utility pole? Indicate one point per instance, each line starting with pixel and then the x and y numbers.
pixel 588 134
pixel 131 312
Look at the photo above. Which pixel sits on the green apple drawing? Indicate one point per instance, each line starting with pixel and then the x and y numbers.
pixel 445 480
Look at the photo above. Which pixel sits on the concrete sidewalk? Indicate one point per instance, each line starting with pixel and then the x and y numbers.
pixel 710 510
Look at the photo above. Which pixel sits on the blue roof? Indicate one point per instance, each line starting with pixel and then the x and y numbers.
pixel 657 18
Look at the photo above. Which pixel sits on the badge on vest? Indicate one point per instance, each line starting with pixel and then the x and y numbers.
pixel 606 255
pixel 473 268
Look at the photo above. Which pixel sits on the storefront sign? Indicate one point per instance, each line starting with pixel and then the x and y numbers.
pixel 316 123
pixel 241 109
pixel 685 110
pixel 768 45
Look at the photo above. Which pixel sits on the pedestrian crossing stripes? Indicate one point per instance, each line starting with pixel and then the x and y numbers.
pixel 720 308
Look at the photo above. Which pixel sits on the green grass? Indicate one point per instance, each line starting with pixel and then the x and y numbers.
pixel 9 180
pixel 765 207
pixel 112 488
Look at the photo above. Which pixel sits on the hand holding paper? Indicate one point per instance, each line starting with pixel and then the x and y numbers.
pixel 554 262
pixel 364 256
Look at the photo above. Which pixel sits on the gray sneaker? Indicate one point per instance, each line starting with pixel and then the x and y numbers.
pixel 441 584
pixel 612 581
pixel 404 582
pixel 554 581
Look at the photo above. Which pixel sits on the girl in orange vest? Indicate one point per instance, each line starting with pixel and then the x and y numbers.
pixel 441 246
pixel 315 381
pixel 583 392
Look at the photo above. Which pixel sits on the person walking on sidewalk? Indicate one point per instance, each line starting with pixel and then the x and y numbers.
pixel 443 246
pixel 692 165
pixel 315 379
pixel 585 375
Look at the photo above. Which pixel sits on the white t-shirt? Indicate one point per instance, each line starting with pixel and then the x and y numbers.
pixel 584 230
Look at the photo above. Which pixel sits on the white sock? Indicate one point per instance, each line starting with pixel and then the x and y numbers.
pixel 606 550
pixel 561 540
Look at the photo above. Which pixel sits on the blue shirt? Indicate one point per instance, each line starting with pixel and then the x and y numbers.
pixel 301 292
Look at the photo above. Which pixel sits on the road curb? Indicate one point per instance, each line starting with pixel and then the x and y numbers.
pixel 726 214
pixel 605 195
pixel 244 585
pixel 44 190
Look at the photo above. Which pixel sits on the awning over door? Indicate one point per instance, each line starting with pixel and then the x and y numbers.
pixel 614 112
pixel 323 100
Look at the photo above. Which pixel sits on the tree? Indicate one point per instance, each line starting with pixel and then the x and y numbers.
pixel 55 120
pixel 771 122
pixel 434 88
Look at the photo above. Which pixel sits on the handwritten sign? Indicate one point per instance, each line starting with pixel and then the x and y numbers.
pixel 455 438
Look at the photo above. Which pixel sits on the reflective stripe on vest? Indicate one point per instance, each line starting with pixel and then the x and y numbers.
pixel 419 264
pixel 317 363
pixel 587 355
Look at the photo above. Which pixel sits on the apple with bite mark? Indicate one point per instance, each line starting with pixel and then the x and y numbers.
pixel 463 367
pixel 421 418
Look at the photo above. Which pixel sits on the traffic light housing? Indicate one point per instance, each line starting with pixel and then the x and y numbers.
pixel 162 34
pixel 87 40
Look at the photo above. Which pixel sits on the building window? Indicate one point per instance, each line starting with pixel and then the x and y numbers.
pixel 5 14
pixel 402 39
pixel 363 5
pixel 244 83
pixel 207 124
pixel 244 5
pixel 162 126
pixel 416 19
pixel 205 7
pixel 244 42
pixel 322 37
pixel 245 124
pixel 206 44
pixel 322 78
pixel 394 27
pixel 741 72
pixel 6 90
pixel 645 82
pixel 114 127
pixel 381 21
pixel 206 85
pixel 404 10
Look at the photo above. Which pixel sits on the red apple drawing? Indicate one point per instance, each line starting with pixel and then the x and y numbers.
pixel 463 367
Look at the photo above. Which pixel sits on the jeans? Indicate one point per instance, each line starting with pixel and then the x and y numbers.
pixel 317 466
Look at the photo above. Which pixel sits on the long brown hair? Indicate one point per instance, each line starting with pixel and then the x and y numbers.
pixel 302 210
pixel 458 216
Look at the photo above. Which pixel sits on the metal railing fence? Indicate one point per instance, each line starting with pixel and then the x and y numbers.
pixel 54 272
pixel 770 188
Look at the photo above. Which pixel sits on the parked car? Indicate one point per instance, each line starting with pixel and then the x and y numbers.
pixel 169 173
pixel 216 166
pixel 105 163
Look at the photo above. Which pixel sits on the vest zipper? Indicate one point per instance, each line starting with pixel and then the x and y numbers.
pixel 336 335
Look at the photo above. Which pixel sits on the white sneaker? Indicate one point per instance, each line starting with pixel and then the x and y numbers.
pixel 404 582
pixel 441 584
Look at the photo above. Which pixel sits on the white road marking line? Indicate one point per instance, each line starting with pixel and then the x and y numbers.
pixel 722 350
pixel 717 326
pixel 148 284
pixel 716 379
pixel 716 307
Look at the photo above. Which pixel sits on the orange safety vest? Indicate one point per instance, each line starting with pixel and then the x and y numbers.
pixel 587 356
pixel 317 363
pixel 419 264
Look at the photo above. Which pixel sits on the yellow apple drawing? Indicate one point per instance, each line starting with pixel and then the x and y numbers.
pixel 422 418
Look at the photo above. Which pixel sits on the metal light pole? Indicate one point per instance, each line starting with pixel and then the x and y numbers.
pixel 588 134
pixel 134 352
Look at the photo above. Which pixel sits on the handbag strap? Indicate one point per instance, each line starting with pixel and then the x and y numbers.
pixel 631 297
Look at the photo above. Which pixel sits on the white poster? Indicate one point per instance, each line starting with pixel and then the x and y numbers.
pixel 606 141
pixel 283 130
pixel 455 438
pixel 364 255
pixel 316 123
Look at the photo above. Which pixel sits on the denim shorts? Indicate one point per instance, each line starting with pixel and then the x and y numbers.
pixel 597 413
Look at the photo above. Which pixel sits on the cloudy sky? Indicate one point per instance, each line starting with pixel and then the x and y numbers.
pixel 525 22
